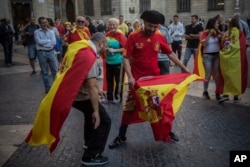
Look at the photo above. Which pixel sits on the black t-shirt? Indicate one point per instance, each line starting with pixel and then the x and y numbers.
pixel 189 29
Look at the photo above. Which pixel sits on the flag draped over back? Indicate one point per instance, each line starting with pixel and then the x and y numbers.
pixel 157 100
pixel 233 64
pixel 56 105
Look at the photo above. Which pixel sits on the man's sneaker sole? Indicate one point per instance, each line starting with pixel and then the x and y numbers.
pixel 98 161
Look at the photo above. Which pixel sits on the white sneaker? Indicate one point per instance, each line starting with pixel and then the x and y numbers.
pixel 106 101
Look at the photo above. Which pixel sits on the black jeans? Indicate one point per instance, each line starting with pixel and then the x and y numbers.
pixel 95 139
pixel 113 71
pixel 176 47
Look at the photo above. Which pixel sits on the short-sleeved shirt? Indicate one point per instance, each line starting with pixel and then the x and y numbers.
pixel 143 51
pixel 193 43
pixel 83 92
pixel 31 29
pixel 116 57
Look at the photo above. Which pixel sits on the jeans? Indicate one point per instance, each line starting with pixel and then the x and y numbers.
pixel 7 48
pixel 177 47
pixel 47 59
pixel 188 53
pixel 95 139
pixel 32 52
pixel 164 67
pixel 211 64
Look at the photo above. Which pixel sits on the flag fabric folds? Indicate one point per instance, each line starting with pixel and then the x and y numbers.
pixel 56 105
pixel 157 100
pixel 233 63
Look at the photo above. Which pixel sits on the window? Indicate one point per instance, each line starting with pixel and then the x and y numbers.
pixel 215 5
pixel 106 7
pixel 183 6
pixel 145 5
pixel 88 7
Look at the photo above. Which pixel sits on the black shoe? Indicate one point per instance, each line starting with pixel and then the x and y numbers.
pixel 173 137
pixel 236 99
pixel 117 142
pixel 33 73
pixel 47 90
pixel 100 160
pixel 206 95
pixel 223 98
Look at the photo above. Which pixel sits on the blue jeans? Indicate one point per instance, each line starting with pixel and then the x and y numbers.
pixel 211 64
pixel 32 52
pixel 188 53
pixel 47 59
pixel 164 67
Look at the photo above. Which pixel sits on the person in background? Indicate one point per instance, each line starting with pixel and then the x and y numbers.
pixel 210 40
pixel 29 30
pixel 122 26
pixel 136 24
pixel 79 31
pixel 192 35
pixel 6 35
pixel 163 60
pixel 90 26
pixel 101 26
pixel 116 42
pixel 45 44
pixel 176 31
pixel 233 62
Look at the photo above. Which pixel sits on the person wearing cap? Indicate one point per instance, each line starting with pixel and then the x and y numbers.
pixel 143 47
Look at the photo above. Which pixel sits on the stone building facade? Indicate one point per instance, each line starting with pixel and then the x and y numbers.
pixel 19 10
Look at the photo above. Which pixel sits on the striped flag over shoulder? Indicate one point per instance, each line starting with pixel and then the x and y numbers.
pixel 56 105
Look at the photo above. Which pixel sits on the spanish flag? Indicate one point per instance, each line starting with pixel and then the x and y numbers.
pixel 233 63
pixel 56 105
pixel 198 61
pixel 157 100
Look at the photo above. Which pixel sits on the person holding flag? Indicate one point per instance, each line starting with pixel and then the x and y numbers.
pixel 75 85
pixel 141 60
pixel 113 58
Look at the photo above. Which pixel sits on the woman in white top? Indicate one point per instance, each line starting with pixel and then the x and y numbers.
pixel 210 40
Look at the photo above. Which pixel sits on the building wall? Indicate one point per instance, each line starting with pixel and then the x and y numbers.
pixel 130 9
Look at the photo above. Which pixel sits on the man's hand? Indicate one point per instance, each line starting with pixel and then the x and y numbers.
pixel 111 50
pixel 131 81
pixel 96 119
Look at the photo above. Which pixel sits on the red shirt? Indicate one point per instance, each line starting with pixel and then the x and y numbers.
pixel 61 29
pixel 143 51
pixel 78 34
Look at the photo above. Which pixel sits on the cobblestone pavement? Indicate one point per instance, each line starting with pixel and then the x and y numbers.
pixel 207 131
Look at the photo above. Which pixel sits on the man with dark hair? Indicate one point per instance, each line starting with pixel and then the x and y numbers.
pixel 28 31
pixel 6 35
pixel 45 43
pixel 143 47
pixel 192 35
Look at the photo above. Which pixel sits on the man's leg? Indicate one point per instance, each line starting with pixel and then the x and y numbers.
pixel 95 139
pixel 187 56
pixel 179 49
pixel 121 138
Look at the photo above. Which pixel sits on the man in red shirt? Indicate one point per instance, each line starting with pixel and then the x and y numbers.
pixel 79 32
pixel 140 58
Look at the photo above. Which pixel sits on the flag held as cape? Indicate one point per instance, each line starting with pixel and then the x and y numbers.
pixel 56 105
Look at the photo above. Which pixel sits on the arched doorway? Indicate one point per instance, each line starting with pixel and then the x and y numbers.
pixel 57 9
pixel 70 11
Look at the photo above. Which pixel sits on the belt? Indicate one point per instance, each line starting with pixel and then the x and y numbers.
pixel 45 50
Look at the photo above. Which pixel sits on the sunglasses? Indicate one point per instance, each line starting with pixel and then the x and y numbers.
pixel 80 21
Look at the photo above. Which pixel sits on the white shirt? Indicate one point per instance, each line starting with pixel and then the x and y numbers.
pixel 176 31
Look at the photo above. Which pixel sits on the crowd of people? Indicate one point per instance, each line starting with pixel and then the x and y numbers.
pixel 144 47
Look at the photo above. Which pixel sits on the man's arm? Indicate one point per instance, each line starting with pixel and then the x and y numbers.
pixel 93 90
pixel 127 68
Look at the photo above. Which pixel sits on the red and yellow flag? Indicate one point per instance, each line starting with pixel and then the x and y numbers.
pixel 56 105
pixel 233 63
pixel 157 100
